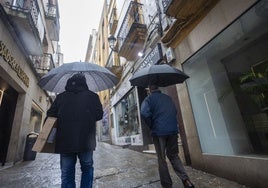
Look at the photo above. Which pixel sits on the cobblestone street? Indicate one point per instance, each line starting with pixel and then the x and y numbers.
pixel 115 167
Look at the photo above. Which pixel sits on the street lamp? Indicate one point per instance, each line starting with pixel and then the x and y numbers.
pixel 112 41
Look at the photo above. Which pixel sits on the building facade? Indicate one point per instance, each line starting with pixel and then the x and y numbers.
pixel 98 52
pixel 29 34
pixel 224 102
pixel 222 107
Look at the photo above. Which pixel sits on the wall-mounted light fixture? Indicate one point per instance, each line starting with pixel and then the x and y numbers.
pixel 141 54
pixel 1 96
pixel 111 41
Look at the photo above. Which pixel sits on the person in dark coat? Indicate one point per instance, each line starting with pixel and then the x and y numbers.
pixel 77 109
pixel 160 114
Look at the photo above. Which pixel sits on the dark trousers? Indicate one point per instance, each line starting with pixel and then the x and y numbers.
pixel 168 146
pixel 67 164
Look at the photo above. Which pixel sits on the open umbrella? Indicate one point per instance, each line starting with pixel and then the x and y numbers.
pixel 98 78
pixel 163 75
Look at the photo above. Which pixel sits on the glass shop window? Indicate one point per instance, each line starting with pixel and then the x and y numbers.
pixel 228 88
pixel 127 116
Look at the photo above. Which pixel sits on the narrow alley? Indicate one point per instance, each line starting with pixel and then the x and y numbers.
pixel 115 167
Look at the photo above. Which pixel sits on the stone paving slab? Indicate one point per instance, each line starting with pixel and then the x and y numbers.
pixel 115 167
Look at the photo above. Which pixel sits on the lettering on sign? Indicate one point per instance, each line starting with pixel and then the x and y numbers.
pixel 7 56
pixel 153 57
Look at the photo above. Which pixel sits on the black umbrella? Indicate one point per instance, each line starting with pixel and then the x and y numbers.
pixel 98 78
pixel 162 75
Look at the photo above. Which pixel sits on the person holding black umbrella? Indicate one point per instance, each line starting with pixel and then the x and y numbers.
pixel 160 114
pixel 77 109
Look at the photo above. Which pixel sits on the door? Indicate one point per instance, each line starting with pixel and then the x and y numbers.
pixel 7 111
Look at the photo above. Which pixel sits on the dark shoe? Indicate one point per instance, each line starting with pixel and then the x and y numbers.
pixel 188 184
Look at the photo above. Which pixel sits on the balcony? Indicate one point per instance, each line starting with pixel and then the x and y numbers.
pixel 113 22
pixel 43 64
pixel 182 9
pixel 132 34
pixel 52 20
pixel 113 65
pixel 26 19
pixel 188 14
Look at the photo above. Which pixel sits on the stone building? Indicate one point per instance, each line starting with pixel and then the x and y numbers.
pixel 222 46
pixel 224 102
pixel 29 35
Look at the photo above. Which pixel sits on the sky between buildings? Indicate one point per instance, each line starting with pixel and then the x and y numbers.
pixel 77 19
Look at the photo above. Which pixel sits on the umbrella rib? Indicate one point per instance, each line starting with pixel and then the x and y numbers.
pixel 95 80
pixel 98 78
pixel 106 80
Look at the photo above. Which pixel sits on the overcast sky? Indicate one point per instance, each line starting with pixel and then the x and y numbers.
pixel 77 19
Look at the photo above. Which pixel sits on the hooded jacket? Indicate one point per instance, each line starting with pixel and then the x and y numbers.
pixel 160 114
pixel 77 109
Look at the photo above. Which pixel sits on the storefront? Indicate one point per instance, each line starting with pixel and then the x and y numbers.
pixel 228 92
pixel 127 127
pixel 22 102
pixel 126 122
pixel 104 134
pixel 229 89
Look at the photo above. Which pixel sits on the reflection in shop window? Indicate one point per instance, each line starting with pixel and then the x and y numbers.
pixel 127 115
pixel 35 119
pixel 228 88
pixel 105 125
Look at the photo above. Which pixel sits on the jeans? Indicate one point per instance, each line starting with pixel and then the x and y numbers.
pixel 67 165
pixel 168 146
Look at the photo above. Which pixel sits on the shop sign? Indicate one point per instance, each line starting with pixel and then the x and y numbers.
pixel 7 56
pixel 170 55
pixel 153 57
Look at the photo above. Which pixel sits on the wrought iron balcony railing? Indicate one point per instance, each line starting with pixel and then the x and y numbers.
pixel 27 7
pixel 43 63
pixel 51 10
pixel 132 33
pixel 26 17
pixel 52 15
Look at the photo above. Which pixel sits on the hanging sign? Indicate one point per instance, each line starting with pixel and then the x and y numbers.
pixel 170 55
pixel 154 57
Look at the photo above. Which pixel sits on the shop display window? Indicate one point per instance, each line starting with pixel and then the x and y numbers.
pixel 228 87
pixel 127 115
pixel 35 119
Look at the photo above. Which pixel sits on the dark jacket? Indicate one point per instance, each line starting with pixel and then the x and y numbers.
pixel 77 110
pixel 160 114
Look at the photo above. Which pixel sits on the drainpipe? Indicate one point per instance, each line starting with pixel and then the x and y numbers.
pixel 160 29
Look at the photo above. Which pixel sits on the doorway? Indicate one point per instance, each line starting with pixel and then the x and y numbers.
pixel 7 111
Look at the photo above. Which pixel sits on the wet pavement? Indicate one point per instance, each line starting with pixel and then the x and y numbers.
pixel 115 167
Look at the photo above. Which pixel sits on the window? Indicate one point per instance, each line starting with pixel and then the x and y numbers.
pixel 127 115
pixel 35 119
pixel 228 88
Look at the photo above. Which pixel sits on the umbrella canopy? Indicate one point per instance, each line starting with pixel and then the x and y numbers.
pixel 162 75
pixel 98 78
